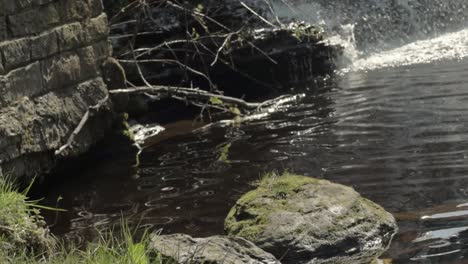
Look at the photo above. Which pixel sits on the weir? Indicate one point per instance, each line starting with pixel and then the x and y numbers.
pixel 380 25
pixel 389 33
pixel 390 122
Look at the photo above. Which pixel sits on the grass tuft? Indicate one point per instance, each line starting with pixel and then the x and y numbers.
pixel 25 239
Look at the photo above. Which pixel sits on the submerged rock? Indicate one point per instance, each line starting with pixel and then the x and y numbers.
pixel 213 250
pixel 143 132
pixel 305 220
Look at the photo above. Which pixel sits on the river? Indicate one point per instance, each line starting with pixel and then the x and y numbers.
pixel 393 124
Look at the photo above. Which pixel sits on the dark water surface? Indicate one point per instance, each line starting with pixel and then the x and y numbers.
pixel 398 135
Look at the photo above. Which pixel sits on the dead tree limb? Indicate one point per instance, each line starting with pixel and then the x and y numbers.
pixel 188 93
pixel 170 61
pixel 80 126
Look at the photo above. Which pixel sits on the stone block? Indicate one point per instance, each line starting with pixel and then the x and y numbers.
pixel 69 36
pixel 50 51
pixel 2 69
pixel 61 70
pixel 10 132
pixel 3 90
pixel 53 107
pixel 96 7
pixel 3 10
pixel 41 2
pixel 92 91
pixel 91 58
pixel 11 7
pixel 96 29
pixel 75 35
pixel 102 49
pixel 3 28
pixel 73 10
pixel 33 21
pixel 22 82
pixel 88 63
pixel 16 52
pixel 44 45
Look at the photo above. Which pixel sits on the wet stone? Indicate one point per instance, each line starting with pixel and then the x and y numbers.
pixel 305 220
pixel 25 81
pixel 61 70
pixel 30 22
pixel 16 52
pixel 44 45
pixel 3 28
pixel 69 36
pixel 214 250
pixel 95 7
pixel 10 7
pixel 2 69
pixel 72 10
pixel 96 29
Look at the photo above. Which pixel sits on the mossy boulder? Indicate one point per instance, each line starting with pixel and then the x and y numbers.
pixel 305 220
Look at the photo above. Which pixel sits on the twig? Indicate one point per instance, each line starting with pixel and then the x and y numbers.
pixel 258 15
pixel 171 62
pixel 184 92
pixel 226 41
pixel 199 14
pixel 145 51
pixel 131 5
pixel 139 69
pixel 262 52
pixel 80 126
pixel 273 11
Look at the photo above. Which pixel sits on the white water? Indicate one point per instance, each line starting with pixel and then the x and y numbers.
pixel 387 33
pixel 450 46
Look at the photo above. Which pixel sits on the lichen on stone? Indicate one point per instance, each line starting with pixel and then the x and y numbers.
pixel 306 220
pixel 249 217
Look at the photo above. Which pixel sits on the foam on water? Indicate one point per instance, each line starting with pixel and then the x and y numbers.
pixel 386 33
pixel 450 46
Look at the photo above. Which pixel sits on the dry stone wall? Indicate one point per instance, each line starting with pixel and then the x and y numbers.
pixel 51 52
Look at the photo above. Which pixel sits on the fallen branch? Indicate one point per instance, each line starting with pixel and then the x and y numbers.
pixel 188 93
pixel 170 61
pixel 80 126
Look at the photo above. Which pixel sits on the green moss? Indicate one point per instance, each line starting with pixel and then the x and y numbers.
pixel 307 32
pixel 377 209
pixel 128 134
pixel 124 128
pixel 224 153
pixel 250 215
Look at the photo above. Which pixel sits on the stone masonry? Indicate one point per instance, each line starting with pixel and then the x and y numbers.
pixel 51 52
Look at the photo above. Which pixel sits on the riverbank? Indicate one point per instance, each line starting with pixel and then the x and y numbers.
pixel 339 210
pixel 25 238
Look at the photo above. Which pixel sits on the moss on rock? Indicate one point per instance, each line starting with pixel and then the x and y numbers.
pixel 306 220
pixel 249 216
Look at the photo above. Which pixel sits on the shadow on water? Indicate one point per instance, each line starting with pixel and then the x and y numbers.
pixel 398 136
